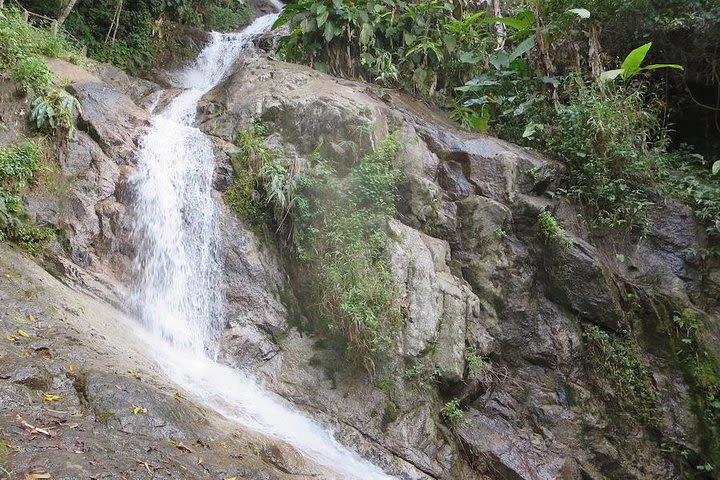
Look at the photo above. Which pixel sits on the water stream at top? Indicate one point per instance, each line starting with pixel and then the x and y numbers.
pixel 177 288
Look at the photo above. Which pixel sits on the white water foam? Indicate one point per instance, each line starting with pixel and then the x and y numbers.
pixel 177 288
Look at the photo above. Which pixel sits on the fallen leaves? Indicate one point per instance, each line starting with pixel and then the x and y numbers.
pixel 51 397
pixel 138 409
pixel 37 473
pixel 32 429
pixel 180 446
pixel 19 334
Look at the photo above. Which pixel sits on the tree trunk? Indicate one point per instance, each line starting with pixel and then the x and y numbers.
pixel 63 16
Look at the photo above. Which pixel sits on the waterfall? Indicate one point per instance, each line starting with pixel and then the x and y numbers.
pixel 176 292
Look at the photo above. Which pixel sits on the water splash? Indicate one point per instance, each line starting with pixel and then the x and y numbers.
pixel 177 287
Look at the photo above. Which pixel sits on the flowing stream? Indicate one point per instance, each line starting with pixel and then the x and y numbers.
pixel 177 288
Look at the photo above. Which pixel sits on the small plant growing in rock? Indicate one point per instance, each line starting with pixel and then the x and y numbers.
pixel 551 231
pixel 623 368
pixel 474 363
pixel 452 414
pixel 412 372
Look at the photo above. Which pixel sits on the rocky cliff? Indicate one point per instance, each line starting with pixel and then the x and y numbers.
pixel 561 349
pixel 499 316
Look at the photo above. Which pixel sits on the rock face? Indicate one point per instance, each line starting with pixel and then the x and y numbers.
pixel 495 312
pixel 101 407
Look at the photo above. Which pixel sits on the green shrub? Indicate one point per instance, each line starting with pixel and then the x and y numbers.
pixel 690 179
pixel 335 228
pixel 630 380
pixel 226 16
pixel 32 238
pixel 54 111
pixel 613 145
pixel 474 363
pixel 419 46
pixel 21 47
pixel 139 35
pixel 19 39
pixel 452 414
pixel 32 73
pixel 258 173
pixel 550 231
pixel 18 165
pixel 340 241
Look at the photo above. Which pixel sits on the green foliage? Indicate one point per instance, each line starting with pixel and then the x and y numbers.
pixel 146 29
pixel 533 88
pixel 474 363
pixel 226 15
pixel 134 47
pixel 32 73
pixel 702 371
pixel 452 413
pixel 340 240
pixel 627 375
pixel 32 238
pixel 21 50
pixel 19 40
pixel 18 165
pixel 55 111
pixel 690 179
pixel 631 66
pixel 614 147
pixel 251 166
pixel 420 46
pixel 335 227
pixel 550 230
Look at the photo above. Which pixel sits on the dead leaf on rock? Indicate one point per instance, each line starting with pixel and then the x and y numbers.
pixel 138 409
pixel 180 446
pixel 31 429
pixel 36 473
pixel 51 397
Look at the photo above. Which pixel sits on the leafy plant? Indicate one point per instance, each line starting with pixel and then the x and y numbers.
pixel 551 231
pixel 631 66
pixel 21 47
pixel 452 413
pixel 340 242
pixel 244 196
pixel 226 16
pixel 474 363
pixel 18 165
pixel 32 73
pixel 335 228
pixel 55 111
pixel 396 43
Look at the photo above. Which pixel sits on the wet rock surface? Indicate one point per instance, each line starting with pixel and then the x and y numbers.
pixel 80 399
pixel 494 310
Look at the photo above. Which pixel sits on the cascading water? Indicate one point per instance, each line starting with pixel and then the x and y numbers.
pixel 177 291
